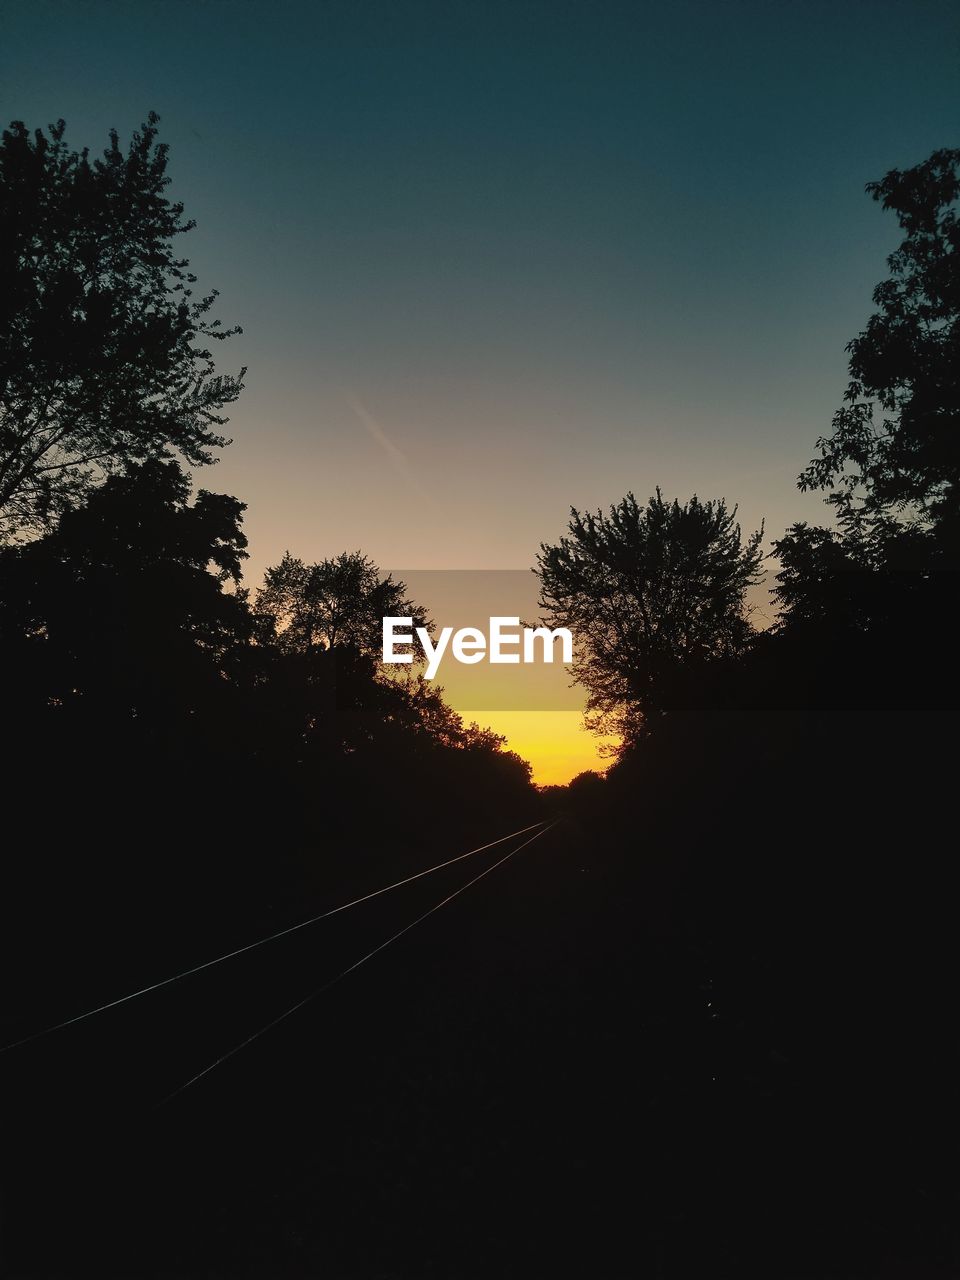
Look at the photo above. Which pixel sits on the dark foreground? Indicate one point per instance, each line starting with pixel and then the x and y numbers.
pixel 539 1080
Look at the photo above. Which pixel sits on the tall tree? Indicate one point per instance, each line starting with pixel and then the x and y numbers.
pixel 894 482
pixel 647 591
pixel 104 350
pixel 905 366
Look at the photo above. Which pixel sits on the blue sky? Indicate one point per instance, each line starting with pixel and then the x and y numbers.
pixel 492 260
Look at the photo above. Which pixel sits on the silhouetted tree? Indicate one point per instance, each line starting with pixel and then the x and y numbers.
pixel 323 622
pixel 120 609
pixel 855 579
pixel 480 741
pixel 103 348
pixel 887 568
pixel 647 591
pixel 906 363
pixel 338 603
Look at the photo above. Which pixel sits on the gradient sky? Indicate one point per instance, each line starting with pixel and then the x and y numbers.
pixel 494 259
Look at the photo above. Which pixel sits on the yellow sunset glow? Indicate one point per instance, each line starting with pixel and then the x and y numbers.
pixel 555 742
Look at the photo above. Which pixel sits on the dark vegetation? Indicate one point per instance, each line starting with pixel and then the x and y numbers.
pixel 704 1027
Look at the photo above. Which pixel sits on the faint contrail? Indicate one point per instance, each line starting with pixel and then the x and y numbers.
pixel 396 456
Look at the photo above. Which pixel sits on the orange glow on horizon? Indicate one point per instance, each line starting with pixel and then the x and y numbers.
pixel 555 742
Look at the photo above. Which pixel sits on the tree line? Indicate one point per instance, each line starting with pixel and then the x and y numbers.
pixel 222 753
pixel 780 805
pixel 108 389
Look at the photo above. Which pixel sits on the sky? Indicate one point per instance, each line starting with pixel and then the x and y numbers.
pixel 494 260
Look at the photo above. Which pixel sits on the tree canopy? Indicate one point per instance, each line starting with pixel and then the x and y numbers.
pixel 120 608
pixel 905 364
pixel 105 352
pixel 894 483
pixel 647 590
pixel 339 602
